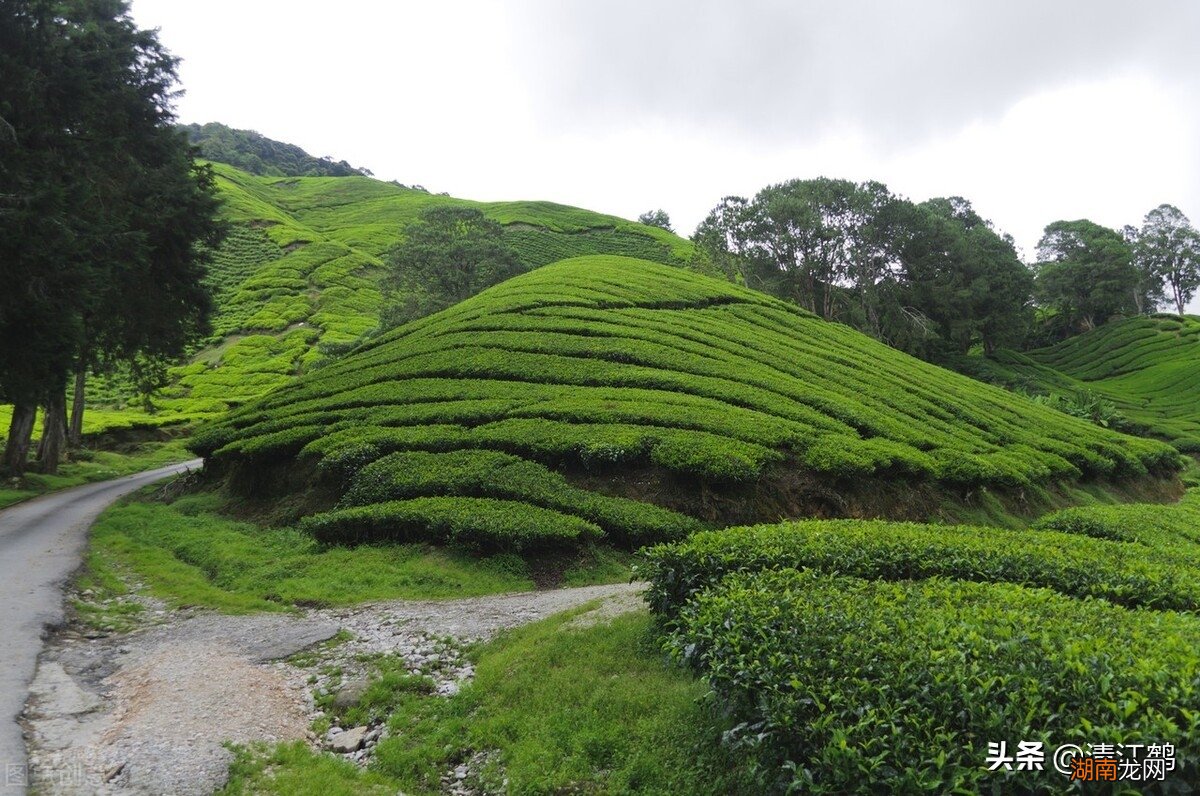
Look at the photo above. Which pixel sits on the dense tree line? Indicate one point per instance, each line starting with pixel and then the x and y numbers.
pixel 103 212
pixel 257 154
pixel 936 278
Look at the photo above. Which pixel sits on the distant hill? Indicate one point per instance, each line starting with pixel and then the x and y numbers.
pixel 1149 367
pixel 255 153
pixel 301 267
pixel 599 380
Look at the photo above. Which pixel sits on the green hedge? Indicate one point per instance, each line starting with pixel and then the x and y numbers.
pixel 1154 524
pixel 476 473
pixel 481 523
pixel 844 685
pixel 1123 573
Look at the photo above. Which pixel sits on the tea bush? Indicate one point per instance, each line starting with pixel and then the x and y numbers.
pixel 844 685
pixel 1123 573
pixel 498 475
pixel 1136 374
pixel 1145 523
pixel 482 523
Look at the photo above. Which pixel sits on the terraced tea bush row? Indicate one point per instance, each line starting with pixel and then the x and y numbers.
pixel 538 246
pixel 1115 459
pixel 304 256
pixel 239 256
pixel 475 473
pixel 1126 574
pixel 1144 523
pixel 1122 347
pixel 1027 464
pixel 608 363
pixel 708 456
pixel 845 685
pixel 1148 367
pixel 481 523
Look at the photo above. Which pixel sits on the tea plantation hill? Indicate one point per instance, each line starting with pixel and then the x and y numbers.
pixel 302 264
pixel 1149 367
pixel 558 406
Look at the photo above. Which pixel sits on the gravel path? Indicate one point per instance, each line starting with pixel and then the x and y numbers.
pixel 148 712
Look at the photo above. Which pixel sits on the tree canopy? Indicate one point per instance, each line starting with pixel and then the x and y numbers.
pixel 1086 274
pixel 921 278
pixel 450 254
pixel 1168 248
pixel 254 152
pixel 101 203
pixel 656 218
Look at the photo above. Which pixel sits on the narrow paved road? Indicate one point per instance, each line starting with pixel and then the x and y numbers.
pixel 41 542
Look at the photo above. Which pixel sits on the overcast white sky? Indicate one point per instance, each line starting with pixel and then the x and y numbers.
pixel 1035 111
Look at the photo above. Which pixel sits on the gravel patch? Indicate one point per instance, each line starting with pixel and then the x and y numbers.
pixel 149 712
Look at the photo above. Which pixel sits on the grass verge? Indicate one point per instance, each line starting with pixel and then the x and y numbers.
pixel 186 553
pixel 557 709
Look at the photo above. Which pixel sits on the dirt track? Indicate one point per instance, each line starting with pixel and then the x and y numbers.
pixel 149 712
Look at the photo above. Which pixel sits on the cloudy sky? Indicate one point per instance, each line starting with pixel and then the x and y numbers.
pixel 1034 111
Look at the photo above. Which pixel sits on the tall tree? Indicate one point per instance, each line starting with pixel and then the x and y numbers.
pixel 101 205
pixel 1086 273
pixel 656 218
pixel 877 229
pixel 795 238
pixel 1168 248
pixel 723 237
pixel 450 254
pixel 1148 294
pixel 967 277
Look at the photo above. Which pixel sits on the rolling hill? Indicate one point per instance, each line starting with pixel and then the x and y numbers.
pixel 557 406
pixel 1149 367
pixel 301 267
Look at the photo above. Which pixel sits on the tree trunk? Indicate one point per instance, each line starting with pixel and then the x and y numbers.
pixel 54 432
pixel 20 432
pixel 75 430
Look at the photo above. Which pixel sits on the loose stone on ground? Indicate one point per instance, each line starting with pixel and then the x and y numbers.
pixel 150 711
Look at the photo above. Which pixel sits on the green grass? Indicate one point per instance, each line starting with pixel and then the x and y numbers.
pixel 186 553
pixel 1148 367
pixel 606 365
pixel 561 710
pixel 295 770
pixel 97 466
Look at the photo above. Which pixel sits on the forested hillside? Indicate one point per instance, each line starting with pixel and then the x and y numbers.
pixel 257 154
